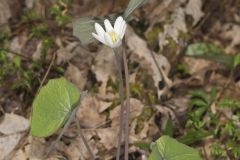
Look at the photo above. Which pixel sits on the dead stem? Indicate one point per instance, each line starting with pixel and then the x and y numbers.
pixel 72 116
pixel 67 124
pixel 121 93
pixel 84 140
pixel 47 72
pixel 125 64
pixel 83 94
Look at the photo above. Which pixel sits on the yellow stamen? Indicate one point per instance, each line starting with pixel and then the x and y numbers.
pixel 113 36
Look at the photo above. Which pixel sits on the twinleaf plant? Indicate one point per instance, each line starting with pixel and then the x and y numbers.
pixel 112 36
pixel 54 107
pixel 89 28
pixel 167 148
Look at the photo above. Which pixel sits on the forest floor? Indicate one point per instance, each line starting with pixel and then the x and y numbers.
pixel 195 98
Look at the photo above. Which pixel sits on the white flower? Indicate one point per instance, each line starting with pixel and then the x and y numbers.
pixel 113 36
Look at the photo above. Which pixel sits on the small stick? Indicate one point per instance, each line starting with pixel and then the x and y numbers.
pixel 84 140
pixel 84 93
pixel 121 93
pixel 48 70
pixel 67 124
pixel 125 64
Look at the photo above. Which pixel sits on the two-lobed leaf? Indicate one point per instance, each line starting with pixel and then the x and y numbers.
pixel 167 148
pixel 52 107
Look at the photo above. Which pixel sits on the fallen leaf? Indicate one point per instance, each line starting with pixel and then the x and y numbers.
pixel 77 76
pixel 8 143
pixel 89 112
pixel 108 137
pixel 136 108
pixel 139 48
pixel 13 123
pixel 5 13
pixel 104 67
pixel 64 53
pixel 194 8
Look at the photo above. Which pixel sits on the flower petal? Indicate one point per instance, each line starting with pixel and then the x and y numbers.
pixel 123 31
pixel 118 24
pixel 99 38
pixel 108 25
pixel 108 40
pixel 99 29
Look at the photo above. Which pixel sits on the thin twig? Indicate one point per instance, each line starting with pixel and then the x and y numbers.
pixel 220 93
pixel 85 141
pixel 125 64
pixel 121 93
pixel 83 94
pixel 48 70
pixel 63 130
pixel 165 79
pixel 19 54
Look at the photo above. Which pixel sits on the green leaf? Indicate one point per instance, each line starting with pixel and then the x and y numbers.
pixel 210 52
pixel 198 102
pixel 142 145
pixel 236 60
pixel 193 136
pixel 167 148
pixel 52 107
pixel 83 28
pixel 199 94
pixel 132 5
pixel 169 128
pixel 229 103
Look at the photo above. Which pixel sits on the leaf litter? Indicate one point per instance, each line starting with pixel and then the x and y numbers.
pixel 99 113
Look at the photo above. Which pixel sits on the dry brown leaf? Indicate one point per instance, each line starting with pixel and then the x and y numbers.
pixel 136 108
pixel 196 65
pixel 108 137
pixel 77 76
pixel 172 30
pixel 234 35
pixel 194 8
pixel 5 13
pixel 35 149
pixel 140 50
pixel 178 25
pixel 77 150
pixel 13 123
pixel 64 54
pixel 38 52
pixel 89 112
pixel 17 43
pixel 104 67
pixel 8 143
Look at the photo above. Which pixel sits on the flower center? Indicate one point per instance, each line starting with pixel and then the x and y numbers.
pixel 113 36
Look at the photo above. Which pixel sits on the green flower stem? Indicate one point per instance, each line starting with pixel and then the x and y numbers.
pixel 121 93
pixel 125 64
